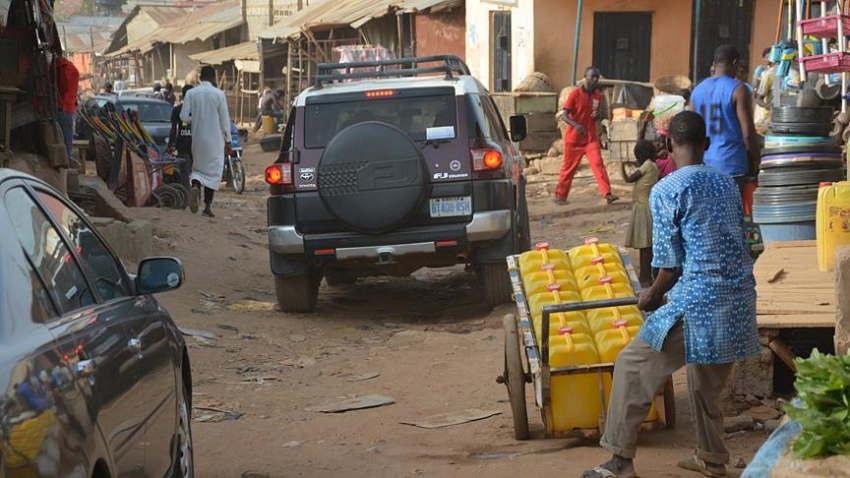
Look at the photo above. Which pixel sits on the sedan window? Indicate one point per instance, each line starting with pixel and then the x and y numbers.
pixel 96 259
pixel 47 251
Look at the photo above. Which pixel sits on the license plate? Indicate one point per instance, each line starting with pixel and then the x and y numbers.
pixel 449 207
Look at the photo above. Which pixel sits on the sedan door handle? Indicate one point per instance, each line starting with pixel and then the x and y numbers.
pixel 86 368
pixel 135 345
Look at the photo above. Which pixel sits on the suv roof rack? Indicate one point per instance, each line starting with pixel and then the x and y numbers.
pixel 400 67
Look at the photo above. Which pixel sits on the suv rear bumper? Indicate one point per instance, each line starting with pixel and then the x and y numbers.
pixel 484 226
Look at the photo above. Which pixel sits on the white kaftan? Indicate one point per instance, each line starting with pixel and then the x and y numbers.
pixel 205 109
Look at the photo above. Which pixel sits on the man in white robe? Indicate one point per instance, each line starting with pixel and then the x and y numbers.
pixel 205 108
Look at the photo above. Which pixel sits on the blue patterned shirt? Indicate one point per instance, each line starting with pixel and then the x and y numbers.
pixel 698 226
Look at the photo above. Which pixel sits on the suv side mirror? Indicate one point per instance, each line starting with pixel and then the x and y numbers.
pixel 159 274
pixel 519 128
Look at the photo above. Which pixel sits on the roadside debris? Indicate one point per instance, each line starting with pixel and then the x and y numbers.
pixel 292 444
pixel 355 403
pixel 735 424
pixel 215 414
pixel 197 333
pixel 452 418
pixel 363 376
pixel 763 413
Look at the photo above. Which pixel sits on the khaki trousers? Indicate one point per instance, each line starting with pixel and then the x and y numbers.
pixel 640 372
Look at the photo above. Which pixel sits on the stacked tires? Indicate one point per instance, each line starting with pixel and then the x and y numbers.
pixel 799 154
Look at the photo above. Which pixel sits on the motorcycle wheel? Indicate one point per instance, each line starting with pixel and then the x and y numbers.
pixel 237 175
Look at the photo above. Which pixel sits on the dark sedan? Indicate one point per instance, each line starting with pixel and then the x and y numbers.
pixel 154 114
pixel 96 375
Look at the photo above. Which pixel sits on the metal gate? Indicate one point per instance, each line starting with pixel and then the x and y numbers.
pixel 721 22
pixel 500 23
pixel 621 43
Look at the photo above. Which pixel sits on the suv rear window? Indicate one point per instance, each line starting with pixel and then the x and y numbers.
pixel 411 114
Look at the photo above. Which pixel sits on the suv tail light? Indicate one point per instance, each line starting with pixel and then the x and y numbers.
pixel 279 174
pixel 486 160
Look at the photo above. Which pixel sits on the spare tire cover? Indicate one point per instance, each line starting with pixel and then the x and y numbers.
pixel 372 177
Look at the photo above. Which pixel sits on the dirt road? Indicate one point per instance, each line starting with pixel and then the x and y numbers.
pixel 428 341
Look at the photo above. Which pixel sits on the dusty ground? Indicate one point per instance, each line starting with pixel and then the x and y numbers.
pixel 430 338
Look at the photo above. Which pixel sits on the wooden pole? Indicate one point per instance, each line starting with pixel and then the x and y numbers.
pixel 842 299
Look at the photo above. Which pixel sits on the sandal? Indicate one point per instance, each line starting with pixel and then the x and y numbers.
pixel 700 466
pixel 600 472
pixel 611 198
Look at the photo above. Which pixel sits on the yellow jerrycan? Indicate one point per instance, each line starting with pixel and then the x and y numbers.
pixel 574 321
pixel 543 258
pixel 832 221
pixel 590 276
pixel 592 252
pixel 553 296
pixel 610 343
pixel 607 289
pixel 604 319
pixel 541 281
pixel 575 398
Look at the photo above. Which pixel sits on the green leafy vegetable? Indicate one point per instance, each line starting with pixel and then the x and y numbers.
pixel 823 390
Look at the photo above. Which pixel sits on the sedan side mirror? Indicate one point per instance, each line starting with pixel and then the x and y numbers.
pixel 519 128
pixel 159 274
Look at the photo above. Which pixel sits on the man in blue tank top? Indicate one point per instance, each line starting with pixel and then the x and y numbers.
pixel 726 105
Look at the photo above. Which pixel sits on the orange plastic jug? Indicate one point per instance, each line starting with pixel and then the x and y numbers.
pixel 538 301
pixel 603 319
pixel 572 320
pixel 607 290
pixel 575 398
pixel 542 281
pixel 543 258
pixel 593 275
pixel 832 221
pixel 610 343
pixel 583 256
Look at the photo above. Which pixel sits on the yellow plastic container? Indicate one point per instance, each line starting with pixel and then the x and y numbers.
pixel 575 398
pixel 592 276
pixel 572 320
pixel 544 281
pixel 592 252
pixel 604 319
pixel 543 258
pixel 609 344
pixel 538 301
pixel 267 124
pixel 833 221
pixel 607 291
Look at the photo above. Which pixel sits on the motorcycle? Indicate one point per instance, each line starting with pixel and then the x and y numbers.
pixel 234 169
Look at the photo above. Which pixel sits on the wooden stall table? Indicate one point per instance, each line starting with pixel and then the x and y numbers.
pixel 81 146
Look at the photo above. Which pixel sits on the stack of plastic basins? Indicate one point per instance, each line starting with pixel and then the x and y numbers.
pixel 799 154
pixel 601 274
pixel 548 280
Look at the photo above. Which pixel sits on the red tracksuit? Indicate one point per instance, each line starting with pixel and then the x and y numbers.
pixel 582 107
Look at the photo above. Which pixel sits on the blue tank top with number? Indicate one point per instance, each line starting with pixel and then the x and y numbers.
pixel 712 98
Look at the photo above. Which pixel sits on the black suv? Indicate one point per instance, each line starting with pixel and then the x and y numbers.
pixel 386 167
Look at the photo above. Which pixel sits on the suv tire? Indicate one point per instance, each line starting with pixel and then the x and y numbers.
pixel 497 282
pixel 297 293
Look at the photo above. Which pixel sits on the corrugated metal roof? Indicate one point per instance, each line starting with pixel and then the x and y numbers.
pixel 203 23
pixel 162 14
pixel 353 13
pixel 242 51
pixel 82 42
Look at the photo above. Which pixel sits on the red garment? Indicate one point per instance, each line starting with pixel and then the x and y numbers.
pixel 572 157
pixel 67 82
pixel 665 166
pixel 583 107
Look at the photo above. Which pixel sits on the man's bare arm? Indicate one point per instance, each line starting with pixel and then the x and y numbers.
pixel 744 107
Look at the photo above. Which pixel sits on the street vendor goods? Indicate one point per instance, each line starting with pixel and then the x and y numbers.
pixel 833 221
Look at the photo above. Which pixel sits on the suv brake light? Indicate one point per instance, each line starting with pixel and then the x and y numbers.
pixel 279 174
pixel 486 159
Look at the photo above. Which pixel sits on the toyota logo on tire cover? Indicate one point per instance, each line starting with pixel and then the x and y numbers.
pixel 308 177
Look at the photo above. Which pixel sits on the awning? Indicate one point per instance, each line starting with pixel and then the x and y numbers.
pixel 142 45
pixel 350 13
pixel 242 51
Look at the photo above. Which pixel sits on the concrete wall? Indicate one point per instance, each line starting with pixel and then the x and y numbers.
pixel 544 30
pixel 554 31
pixel 479 43
pixel 441 33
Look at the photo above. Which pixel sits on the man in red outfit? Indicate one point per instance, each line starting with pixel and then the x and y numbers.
pixel 580 112
pixel 67 82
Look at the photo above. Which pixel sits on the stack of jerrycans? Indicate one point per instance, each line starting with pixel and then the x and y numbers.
pixel 600 274
pixel 548 279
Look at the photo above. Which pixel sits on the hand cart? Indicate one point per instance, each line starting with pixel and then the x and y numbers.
pixel 520 336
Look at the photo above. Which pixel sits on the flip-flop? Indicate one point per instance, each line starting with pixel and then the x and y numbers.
pixel 600 472
pixel 695 464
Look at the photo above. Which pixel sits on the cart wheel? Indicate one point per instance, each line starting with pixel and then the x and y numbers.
pixel 669 405
pixel 184 195
pixel 167 197
pixel 514 378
